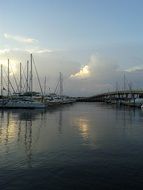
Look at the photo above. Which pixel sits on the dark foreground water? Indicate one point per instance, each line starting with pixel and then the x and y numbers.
pixel 80 146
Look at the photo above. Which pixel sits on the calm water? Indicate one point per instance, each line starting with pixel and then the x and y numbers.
pixel 79 146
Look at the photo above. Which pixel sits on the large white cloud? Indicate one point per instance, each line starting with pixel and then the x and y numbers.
pixel 83 73
pixel 105 75
pixel 99 68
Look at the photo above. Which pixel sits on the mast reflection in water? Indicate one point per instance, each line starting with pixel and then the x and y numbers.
pixel 79 146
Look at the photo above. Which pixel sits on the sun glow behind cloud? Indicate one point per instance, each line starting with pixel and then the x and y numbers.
pixel 83 73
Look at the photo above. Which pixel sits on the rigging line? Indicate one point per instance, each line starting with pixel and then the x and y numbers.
pixel 57 87
pixel 45 86
pixel 24 86
pixel 27 77
pixel 14 79
pixel 10 84
pixel 6 84
pixel 5 81
pixel 38 77
pixel 23 72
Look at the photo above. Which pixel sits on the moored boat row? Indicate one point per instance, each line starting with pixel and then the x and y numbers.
pixel 136 102
pixel 27 98
pixel 31 103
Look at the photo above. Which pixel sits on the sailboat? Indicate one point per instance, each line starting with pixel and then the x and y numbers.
pixel 19 101
pixel 59 98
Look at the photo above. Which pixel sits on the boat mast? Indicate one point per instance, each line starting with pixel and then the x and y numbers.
pixel 124 82
pixel 27 79
pixel 117 87
pixel 31 78
pixel 61 84
pixel 8 79
pixel 20 80
pixel 38 78
pixel 45 81
pixel 1 81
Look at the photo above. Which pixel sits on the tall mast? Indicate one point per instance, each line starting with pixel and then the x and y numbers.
pixel 45 86
pixel 8 79
pixel 20 80
pixel 27 78
pixel 1 81
pixel 117 88
pixel 61 84
pixel 124 82
pixel 31 78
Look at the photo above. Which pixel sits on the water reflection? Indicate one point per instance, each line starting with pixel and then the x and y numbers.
pixel 16 126
pixel 126 115
pixel 1 116
pixel 7 133
pixel 83 125
pixel 27 133
pixel 28 142
pixel 60 121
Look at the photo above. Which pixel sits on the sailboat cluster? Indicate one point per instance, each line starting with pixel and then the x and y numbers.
pixel 29 98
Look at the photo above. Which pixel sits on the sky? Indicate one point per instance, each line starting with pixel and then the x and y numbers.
pixel 93 43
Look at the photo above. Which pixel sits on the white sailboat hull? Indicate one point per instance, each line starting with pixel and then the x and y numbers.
pixel 21 104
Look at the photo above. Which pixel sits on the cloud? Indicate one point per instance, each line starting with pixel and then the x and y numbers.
pixel 105 74
pixel 39 50
pixel 45 51
pixel 99 74
pixel 4 51
pixel 20 39
pixel 99 68
pixel 135 69
pixel 83 73
pixel 35 50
